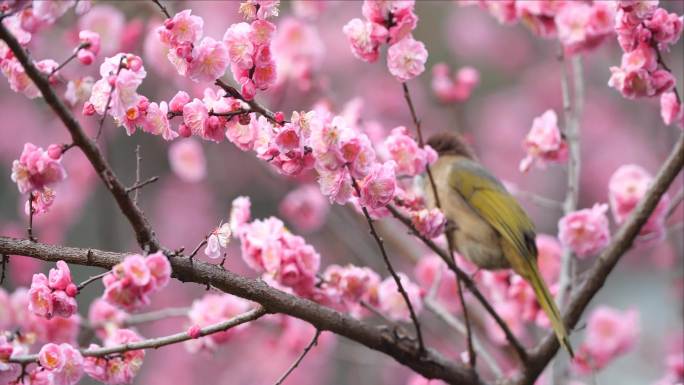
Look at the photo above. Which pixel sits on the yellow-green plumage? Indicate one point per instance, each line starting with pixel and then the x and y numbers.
pixel 492 230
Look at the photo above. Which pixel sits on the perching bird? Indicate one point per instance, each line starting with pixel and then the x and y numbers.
pixel 491 229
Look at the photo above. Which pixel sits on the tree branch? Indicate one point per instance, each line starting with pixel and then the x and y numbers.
pixel 144 234
pixel 598 273
pixel 431 364
pixel 154 343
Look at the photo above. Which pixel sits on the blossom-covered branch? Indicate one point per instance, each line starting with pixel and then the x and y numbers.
pixel 431 364
pixel 143 231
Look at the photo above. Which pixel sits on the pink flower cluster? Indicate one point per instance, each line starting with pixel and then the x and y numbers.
pixel 249 50
pixel 120 369
pixel 585 232
pixel 53 295
pixel 90 42
pixel 214 118
pixel 390 22
pixel 626 188
pixel 642 29
pixel 122 74
pixel 259 9
pixel 544 143
pixel 17 77
pixel 33 327
pixel 456 88
pixel 429 222
pixel 212 309
pixel 610 334
pixel 345 287
pixel 410 159
pixel 200 59
pixel 267 247
pixel 35 171
pixel 132 281
pixel 63 364
pixel 583 26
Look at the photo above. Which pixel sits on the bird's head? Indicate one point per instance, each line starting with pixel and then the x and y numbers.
pixel 448 143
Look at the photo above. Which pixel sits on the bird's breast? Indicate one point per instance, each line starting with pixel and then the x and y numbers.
pixel 473 237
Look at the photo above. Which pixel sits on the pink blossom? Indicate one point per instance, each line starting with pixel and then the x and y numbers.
pixel 245 135
pixel 78 90
pixel 626 188
pixel 212 309
pixel 91 43
pixel 105 316
pixel 378 187
pixel 239 214
pixel 610 333
pixel 195 115
pixel 63 304
pixel 392 303
pixel 406 59
pixel 210 62
pixel 217 241
pixel 187 160
pixel 429 222
pixel 51 357
pixel 180 99
pixel 40 297
pixel 182 27
pixel 59 278
pixel 454 90
pixel 411 160
pixel 666 27
pixel 365 39
pixel 305 207
pixel 349 285
pixel 259 9
pixel 133 280
pixel 240 47
pixel 671 109
pixel 120 369
pixel 261 246
pixel 19 81
pixel 582 26
pixel 586 231
pixel 544 142
pixel 298 265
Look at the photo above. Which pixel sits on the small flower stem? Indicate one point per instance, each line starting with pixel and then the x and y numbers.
pixel 390 268
pixel 109 99
pixel 138 161
pixel 70 58
pixel 91 279
pixel 199 246
pixel 472 356
pixel 314 342
pixel 140 185
pixel 29 230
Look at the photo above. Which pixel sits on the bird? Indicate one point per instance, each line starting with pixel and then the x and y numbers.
pixel 487 225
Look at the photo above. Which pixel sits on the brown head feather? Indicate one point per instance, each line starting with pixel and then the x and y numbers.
pixel 447 143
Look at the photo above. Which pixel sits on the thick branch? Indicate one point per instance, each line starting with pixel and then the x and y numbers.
pixel 144 234
pixel 431 364
pixel 598 273
pixel 154 343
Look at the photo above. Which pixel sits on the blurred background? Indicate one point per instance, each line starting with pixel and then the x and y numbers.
pixel 519 80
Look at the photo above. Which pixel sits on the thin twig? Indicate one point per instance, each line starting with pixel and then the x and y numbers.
pixel 163 8
pixel 472 356
pixel 154 343
pixel 199 246
pixel 91 279
pixel 152 316
pixel 437 309
pixel 70 58
pixel 138 161
pixel 142 184
pixel 253 105
pixel 390 268
pixel 470 285
pixel 294 365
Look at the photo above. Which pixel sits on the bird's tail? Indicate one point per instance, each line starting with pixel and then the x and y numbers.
pixel 549 305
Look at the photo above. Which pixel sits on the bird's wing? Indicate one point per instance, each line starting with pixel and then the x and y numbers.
pixel 489 198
